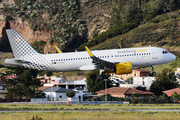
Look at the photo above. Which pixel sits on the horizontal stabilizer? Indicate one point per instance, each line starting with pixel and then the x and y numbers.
pixel 15 61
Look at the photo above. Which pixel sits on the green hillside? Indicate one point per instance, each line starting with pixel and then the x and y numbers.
pixel 162 31
pixel 103 24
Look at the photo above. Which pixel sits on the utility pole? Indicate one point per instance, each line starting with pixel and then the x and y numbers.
pixel 51 93
pixel 105 89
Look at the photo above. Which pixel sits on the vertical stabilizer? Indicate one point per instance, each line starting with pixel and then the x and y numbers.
pixel 19 46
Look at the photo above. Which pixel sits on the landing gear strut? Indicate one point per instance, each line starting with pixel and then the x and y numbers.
pixel 100 77
pixel 93 76
pixel 153 73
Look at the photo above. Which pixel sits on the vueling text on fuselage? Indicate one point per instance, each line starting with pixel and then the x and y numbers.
pixel 132 51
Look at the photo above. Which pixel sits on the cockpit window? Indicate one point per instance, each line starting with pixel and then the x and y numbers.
pixel 165 52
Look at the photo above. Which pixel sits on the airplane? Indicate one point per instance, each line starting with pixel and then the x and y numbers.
pixel 119 61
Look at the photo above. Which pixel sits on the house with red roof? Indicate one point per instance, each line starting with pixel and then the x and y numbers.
pixel 135 73
pixel 124 92
pixel 171 91
pixel 44 87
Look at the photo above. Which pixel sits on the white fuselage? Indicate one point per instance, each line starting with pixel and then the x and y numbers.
pixel 113 60
pixel 145 56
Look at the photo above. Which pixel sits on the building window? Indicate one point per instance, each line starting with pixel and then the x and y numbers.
pixel 60 96
pixel 135 74
pixel 127 74
pixel 1 87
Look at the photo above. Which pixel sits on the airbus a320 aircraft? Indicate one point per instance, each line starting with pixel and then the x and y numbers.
pixel 119 61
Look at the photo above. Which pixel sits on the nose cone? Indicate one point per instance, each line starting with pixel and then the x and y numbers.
pixel 173 57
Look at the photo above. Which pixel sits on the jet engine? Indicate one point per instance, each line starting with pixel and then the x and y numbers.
pixel 121 68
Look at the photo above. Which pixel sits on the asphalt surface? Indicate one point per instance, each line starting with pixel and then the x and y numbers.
pixel 131 110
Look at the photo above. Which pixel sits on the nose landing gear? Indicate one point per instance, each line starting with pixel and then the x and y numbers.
pixel 153 73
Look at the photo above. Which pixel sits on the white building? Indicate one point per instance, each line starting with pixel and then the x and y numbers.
pixel 59 94
pixel 140 81
pixel 143 81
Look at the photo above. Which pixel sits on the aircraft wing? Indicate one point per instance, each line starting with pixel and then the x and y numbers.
pixel 99 62
pixel 116 67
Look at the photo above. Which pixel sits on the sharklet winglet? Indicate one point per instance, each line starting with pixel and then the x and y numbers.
pixel 89 52
pixel 59 51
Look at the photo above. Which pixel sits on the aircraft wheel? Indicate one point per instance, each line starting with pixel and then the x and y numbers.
pixel 93 76
pixel 99 77
pixel 154 73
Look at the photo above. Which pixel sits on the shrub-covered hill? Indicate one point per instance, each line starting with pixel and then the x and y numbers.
pixel 86 22
pixel 105 23
pixel 162 31
pixel 70 23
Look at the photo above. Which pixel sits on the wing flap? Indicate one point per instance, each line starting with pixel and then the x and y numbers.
pixel 99 62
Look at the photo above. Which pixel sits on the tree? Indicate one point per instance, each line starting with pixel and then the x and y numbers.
pixel 164 81
pixel 130 80
pixel 39 94
pixel 93 84
pixel 175 97
pixel 141 88
pixel 165 98
pixel 135 94
pixel 20 82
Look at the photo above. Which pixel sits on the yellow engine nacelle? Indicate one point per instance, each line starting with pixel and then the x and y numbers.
pixel 123 68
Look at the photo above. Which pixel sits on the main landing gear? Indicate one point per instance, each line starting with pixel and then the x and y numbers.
pixel 99 77
pixel 93 76
pixel 153 73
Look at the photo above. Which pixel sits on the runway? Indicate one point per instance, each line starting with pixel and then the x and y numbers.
pixel 108 110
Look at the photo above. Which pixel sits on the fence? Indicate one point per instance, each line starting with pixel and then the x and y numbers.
pixel 14 100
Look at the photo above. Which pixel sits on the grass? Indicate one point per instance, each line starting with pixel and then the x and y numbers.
pixel 86 107
pixel 113 115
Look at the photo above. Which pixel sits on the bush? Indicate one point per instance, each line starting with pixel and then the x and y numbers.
pixel 171 43
pixel 70 94
pixel 36 118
